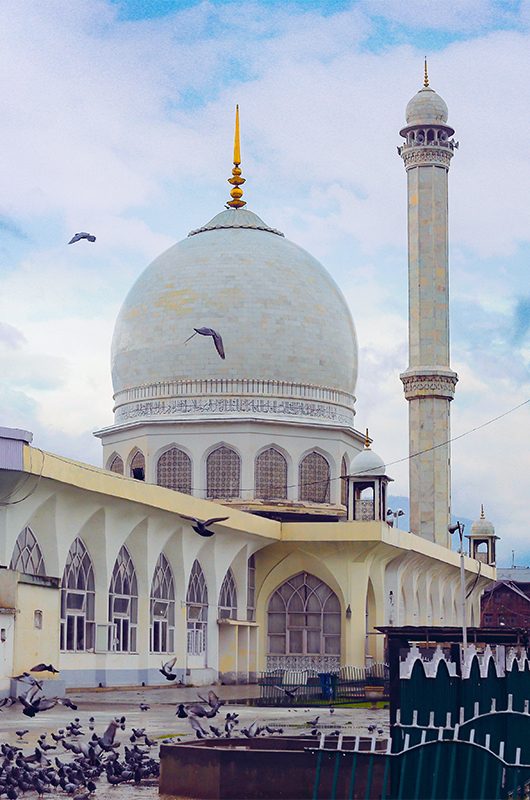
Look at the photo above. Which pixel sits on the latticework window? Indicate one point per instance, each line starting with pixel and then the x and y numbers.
pixel 314 478
pixel 223 473
pixel 27 556
pixel 116 465
pixel 228 597
pixel 304 618
pixel 197 611
pixel 251 589
pixel 123 604
pixel 138 466
pixel 271 475
pixel 173 470
pixel 343 482
pixel 162 631
pixel 77 600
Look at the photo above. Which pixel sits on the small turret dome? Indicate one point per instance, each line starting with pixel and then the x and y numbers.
pixel 482 526
pixel 426 108
pixel 367 462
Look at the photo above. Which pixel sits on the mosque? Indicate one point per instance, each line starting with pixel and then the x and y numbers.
pixel 103 572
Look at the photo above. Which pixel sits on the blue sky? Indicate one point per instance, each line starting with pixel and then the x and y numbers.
pixel 118 118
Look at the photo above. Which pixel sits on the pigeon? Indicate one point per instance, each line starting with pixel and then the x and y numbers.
pixel 202 527
pixel 313 722
pixel 200 733
pixel 217 340
pixel 144 706
pixel 197 710
pixel 290 693
pixel 181 711
pixel 5 702
pixel 82 235
pixel 22 732
pixel 213 701
pixel 167 668
pixel 45 668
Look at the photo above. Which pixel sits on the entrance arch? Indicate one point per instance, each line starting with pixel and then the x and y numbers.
pixel 303 625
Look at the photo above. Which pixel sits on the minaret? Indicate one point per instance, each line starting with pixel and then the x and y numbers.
pixel 429 382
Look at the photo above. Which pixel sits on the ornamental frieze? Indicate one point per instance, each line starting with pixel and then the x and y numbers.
pixel 429 385
pixel 232 405
pixel 419 156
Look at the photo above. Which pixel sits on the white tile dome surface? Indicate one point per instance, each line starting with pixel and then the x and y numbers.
pixel 426 107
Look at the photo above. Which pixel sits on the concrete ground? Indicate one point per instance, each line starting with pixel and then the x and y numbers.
pixel 160 721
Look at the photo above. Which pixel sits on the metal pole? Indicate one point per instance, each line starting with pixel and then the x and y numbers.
pixel 463 588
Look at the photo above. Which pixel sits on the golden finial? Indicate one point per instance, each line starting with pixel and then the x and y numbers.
pixel 366 439
pixel 236 180
pixel 425 76
pixel 482 511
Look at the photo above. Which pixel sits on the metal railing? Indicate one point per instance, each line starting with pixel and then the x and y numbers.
pixel 299 687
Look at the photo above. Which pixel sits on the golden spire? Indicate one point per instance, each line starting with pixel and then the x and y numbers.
pixel 482 511
pixel 425 76
pixel 366 439
pixel 236 180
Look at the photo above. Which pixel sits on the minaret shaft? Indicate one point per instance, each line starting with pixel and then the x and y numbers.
pixel 428 381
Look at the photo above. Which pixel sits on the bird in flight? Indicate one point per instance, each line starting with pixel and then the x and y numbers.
pixel 217 340
pixel 202 528
pixel 82 235
pixel 45 668
pixel 167 669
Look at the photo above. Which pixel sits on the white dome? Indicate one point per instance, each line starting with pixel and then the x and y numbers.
pixel 367 463
pixel 287 331
pixel 426 107
pixel 482 526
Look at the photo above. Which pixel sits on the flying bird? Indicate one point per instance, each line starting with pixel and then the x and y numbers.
pixel 45 668
pixel 202 527
pixel 82 235
pixel 167 669
pixel 217 340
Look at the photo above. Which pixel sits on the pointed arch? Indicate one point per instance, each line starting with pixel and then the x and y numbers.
pixel 271 475
pixel 196 611
pixel 116 464
pixel 162 601
pixel 228 597
pixel 173 470
pixel 78 600
pixel 304 618
pixel 314 478
pixel 123 604
pixel 27 556
pixel 137 468
pixel 343 483
pixel 223 473
pixel 251 588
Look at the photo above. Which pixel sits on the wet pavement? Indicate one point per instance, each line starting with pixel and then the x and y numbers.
pixel 160 722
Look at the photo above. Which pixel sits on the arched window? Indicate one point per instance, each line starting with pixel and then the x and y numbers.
pixel 197 611
pixel 173 470
pixel 138 466
pixel 223 471
pixel 304 618
pixel 116 465
pixel 251 589
pixel 77 600
pixel 343 482
pixel 162 631
pixel 27 556
pixel 314 478
pixel 271 475
pixel 123 604
pixel 228 597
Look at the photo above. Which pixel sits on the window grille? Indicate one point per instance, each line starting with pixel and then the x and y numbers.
pixel 271 475
pixel 173 470
pixel 138 466
pixel 314 478
pixel 162 631
pixel 251 589
pixel 77 600
pixel 304 618
pixel 116 465
pixel 223 473
pixel 123 604
pixel 196 611
pixel 228 597
pixel 27 556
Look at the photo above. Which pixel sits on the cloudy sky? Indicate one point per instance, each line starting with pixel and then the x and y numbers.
pixel 117 117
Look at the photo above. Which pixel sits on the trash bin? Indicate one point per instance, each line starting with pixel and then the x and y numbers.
pixel 327 685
